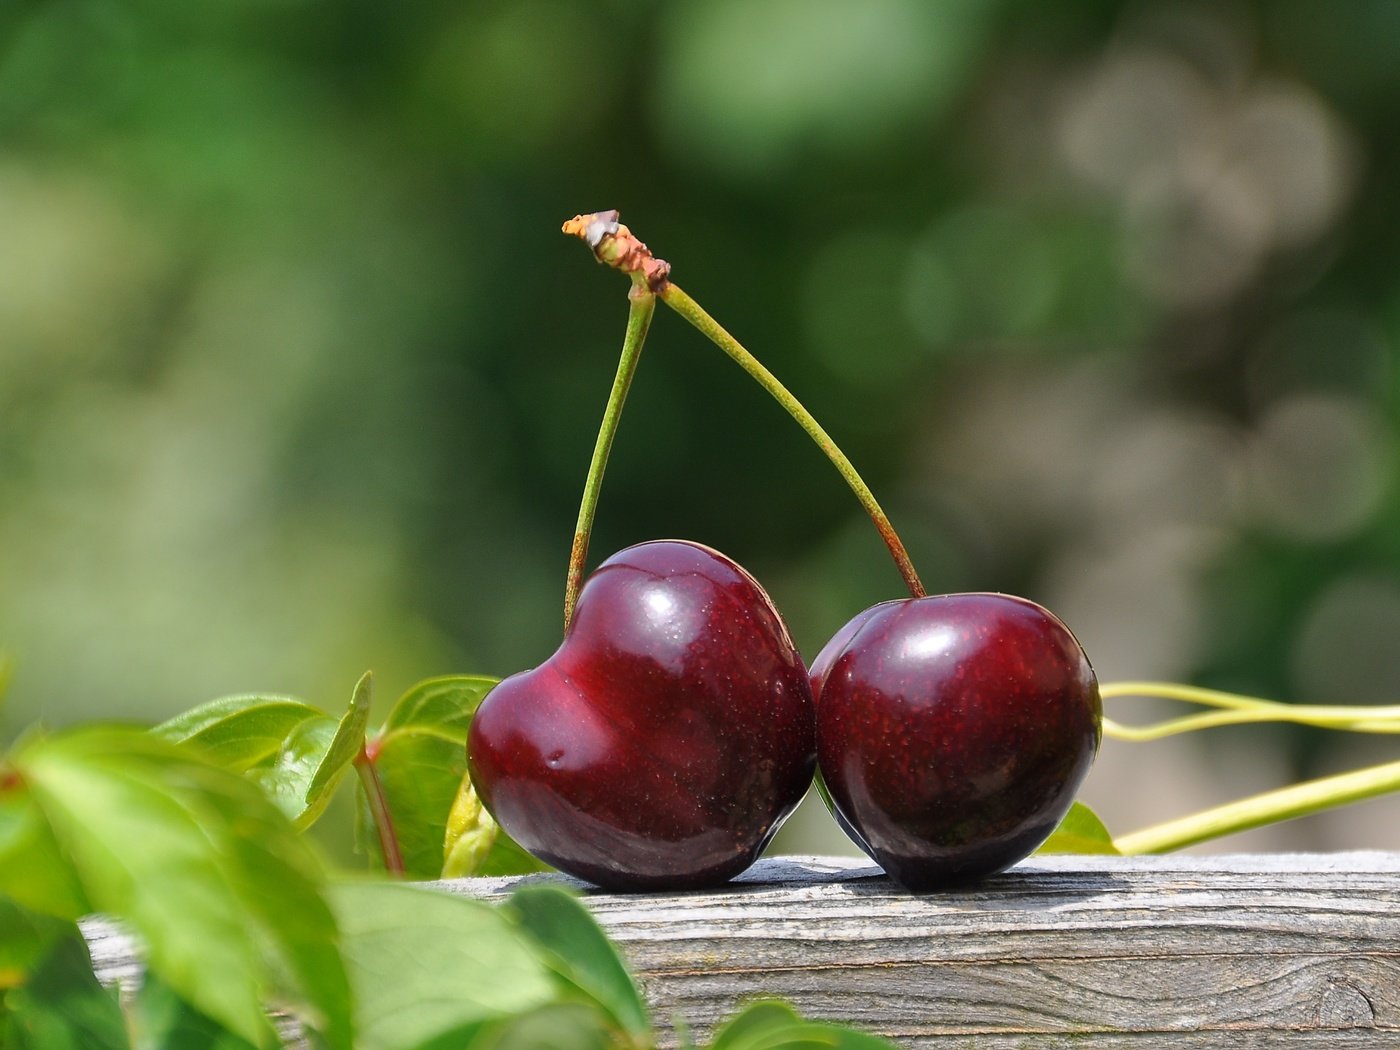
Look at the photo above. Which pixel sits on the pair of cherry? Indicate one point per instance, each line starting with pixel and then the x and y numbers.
pixel 676 728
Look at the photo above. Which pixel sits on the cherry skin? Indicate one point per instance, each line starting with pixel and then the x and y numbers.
pixel 953 732
pixel 668 737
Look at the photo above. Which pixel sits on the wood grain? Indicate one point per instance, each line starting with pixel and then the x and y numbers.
pixel 1293 950
pixel 1248 951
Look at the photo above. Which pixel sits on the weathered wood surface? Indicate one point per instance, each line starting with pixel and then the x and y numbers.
pixel 1246 951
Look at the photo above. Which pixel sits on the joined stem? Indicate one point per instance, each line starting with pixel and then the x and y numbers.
pixel 642 306
pixel 614 245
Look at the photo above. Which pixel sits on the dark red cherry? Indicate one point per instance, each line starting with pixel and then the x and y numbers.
pixel 666 740
pixel 953 732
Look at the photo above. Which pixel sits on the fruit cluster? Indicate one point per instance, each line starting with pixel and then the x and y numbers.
pixel 676 727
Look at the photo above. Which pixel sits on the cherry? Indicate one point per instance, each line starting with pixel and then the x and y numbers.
pixel 668 737
pixel 953 732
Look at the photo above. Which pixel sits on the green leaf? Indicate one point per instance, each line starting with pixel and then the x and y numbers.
pixel 62 1007
pixel 446 704
pixel 26 937
pixel 164 1021
pixel 33 869
pixel 420 754
pixel 286 777
pixel 345 745
pixel 1080 832
pixel 282 886
pixel 295 752
pixel 558 1026
pixel 241 732
pixel 577 950
pixel 419 774
pixel 277 742
pixel 825 792
pixel 507 857
pixel 223 891
pixel 7 672
pixel 770 1025
pixel 754 1023
pixel 426 966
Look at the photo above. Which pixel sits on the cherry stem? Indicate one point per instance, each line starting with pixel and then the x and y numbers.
pixel 368 773
pixel 615 245
pixel 1271 807
pixel 639 315
pixel 1234 709
pixel 674 297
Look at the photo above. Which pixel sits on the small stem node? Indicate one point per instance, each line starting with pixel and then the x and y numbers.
pixel 615 245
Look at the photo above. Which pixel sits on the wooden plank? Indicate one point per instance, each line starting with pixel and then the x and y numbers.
pixel 1301 950
pixel 1262 950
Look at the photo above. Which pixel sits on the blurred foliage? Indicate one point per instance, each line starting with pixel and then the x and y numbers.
pixel 297 374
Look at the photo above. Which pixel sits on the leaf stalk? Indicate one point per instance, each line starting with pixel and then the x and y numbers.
pixel 379 810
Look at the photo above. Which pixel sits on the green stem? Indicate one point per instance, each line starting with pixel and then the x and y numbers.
pixel 1269 808
pixel 1235 709
pixel 1191 694
pixel 1194 723
pixel 639 314
pixel 688 308
pixel 368 773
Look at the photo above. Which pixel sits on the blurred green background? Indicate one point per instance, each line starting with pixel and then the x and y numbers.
pixel 298 376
